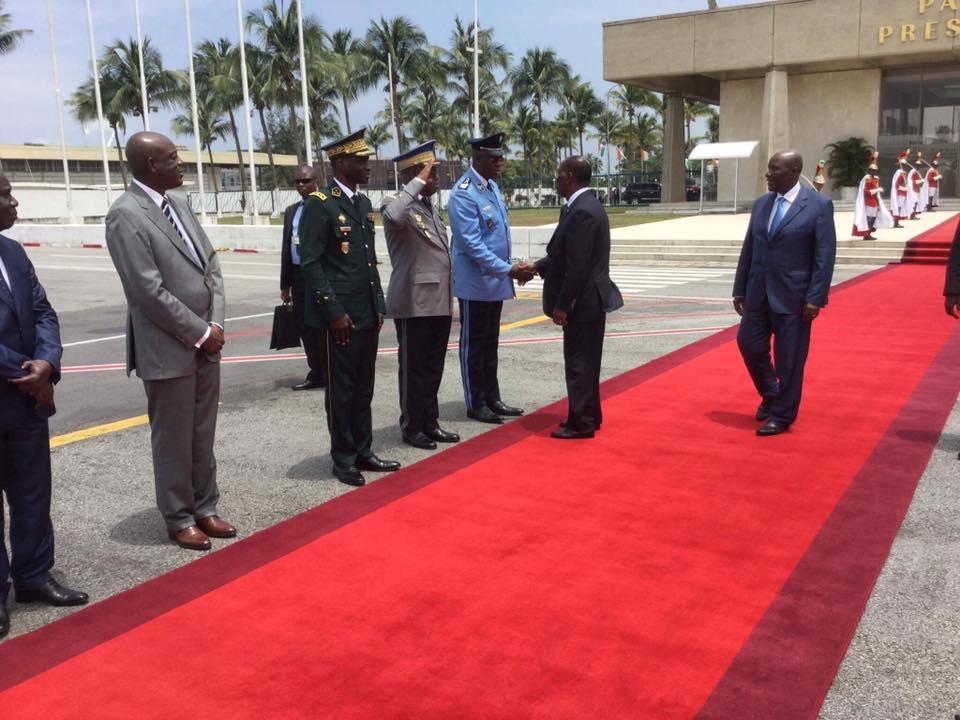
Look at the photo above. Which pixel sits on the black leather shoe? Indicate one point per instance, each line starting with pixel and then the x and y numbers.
pixel 563 424
pixel 420 440
pixel 501 409
pixel 441 435
pixel 377 465
pixel 52 593
pixel 485 415
pixel 763 412
pixel 773 427
pixel 309 384
pixel 4 620
pixel 568 434
pixel 348 475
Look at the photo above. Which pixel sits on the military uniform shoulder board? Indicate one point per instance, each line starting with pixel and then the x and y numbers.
pixel 335 192
pixel 319 195
pixel 465 184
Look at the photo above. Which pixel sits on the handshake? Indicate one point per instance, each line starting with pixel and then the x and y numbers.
pixel 523 272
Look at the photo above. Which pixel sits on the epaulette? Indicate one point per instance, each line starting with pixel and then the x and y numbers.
pixel 319 195
pixel 465 184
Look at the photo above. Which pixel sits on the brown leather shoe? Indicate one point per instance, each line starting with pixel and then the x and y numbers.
pixel 213 526
pixel 190 538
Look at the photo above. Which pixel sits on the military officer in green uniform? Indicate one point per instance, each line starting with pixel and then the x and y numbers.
pixel 344 299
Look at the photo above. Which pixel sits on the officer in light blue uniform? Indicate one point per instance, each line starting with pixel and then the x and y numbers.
pixel 482 276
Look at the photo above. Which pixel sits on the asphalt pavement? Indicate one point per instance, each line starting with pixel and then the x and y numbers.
pixel 273 452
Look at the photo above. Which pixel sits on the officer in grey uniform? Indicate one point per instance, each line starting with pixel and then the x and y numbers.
pixel 419 297
pixel 482 276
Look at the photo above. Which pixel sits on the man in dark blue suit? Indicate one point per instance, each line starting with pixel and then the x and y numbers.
pixel 30 353
pixel 782 282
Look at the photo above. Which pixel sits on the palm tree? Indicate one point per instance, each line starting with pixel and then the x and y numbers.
pixel 399 40
pixel 276 29
pixel 211 126
pixel 459 63
pixel 263 92
pixel 378 134
pixel 344 66
pixel 121 68
pixel 526 130
pixel 540 75
pixel 9 39
pixel 692 110
pixel 583 105
pixel 217 68
pixel 83 107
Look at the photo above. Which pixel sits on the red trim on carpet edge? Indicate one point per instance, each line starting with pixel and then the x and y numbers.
pixel 787 666
pixel 30 654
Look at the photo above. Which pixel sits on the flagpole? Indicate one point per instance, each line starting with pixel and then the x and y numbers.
pixel 143 72
pixel 476 69
pixel 246 113
pixel 193 112
pixel 393 119
pixel 56 89
pixel 303 85
pixel 96 95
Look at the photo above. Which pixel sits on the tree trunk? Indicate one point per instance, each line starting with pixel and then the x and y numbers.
pixel 236 141
pixel 346 114
pixel 123 167
pixel 266 141
pixel 297 145
pixel 581 141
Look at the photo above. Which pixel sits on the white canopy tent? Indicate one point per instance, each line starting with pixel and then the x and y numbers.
pixel 724 151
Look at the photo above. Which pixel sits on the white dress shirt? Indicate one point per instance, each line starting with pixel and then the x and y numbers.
pixel 790 196
pixel 578 193
pixel 158 200
pixel 346 191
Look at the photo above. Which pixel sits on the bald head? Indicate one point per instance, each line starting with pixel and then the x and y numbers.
pixel 574 173
pixel 783 171
pixel 154 161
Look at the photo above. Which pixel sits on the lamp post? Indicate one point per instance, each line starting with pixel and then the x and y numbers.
pixel 246 114
pixel 56 90
pixel 96 95
pixel 193 112
pixel 303 85
pixel 143 72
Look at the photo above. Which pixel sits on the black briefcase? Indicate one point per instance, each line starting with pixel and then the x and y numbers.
pixel 284 333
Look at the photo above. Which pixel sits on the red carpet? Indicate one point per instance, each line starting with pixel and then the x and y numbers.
pixel 933 247
pixel 676 565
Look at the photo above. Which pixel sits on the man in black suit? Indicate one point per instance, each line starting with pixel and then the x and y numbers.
pixel 578 293
pixel 951 288
pixel 782 281
pixel 30 353
pixel 291 282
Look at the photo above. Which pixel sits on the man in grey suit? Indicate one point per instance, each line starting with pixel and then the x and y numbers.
pixel 174 289
pixel 420 296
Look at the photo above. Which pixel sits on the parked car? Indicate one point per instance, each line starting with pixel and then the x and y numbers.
pixel 642 192
pixel 693 190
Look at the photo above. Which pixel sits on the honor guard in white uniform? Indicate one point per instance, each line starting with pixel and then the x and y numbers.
pixel 420 294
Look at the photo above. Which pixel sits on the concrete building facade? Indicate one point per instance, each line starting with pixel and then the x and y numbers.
pixel 803 74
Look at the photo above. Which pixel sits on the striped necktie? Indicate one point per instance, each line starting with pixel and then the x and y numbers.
pixel 778 216
pixel 168 214
pixel 5 292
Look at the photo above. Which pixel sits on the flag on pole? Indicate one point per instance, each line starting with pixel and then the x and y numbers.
pixel 643 155
pixel 619 154
pixel 601 148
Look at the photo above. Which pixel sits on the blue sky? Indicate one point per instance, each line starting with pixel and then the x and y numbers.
pixel 29 107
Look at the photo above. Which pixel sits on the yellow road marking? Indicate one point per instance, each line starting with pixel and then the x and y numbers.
pixel 524 323
pixel 107 428
pixel 97 430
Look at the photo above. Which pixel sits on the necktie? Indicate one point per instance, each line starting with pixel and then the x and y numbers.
pixel 778 216
pixel 5 291
pixel 168 214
